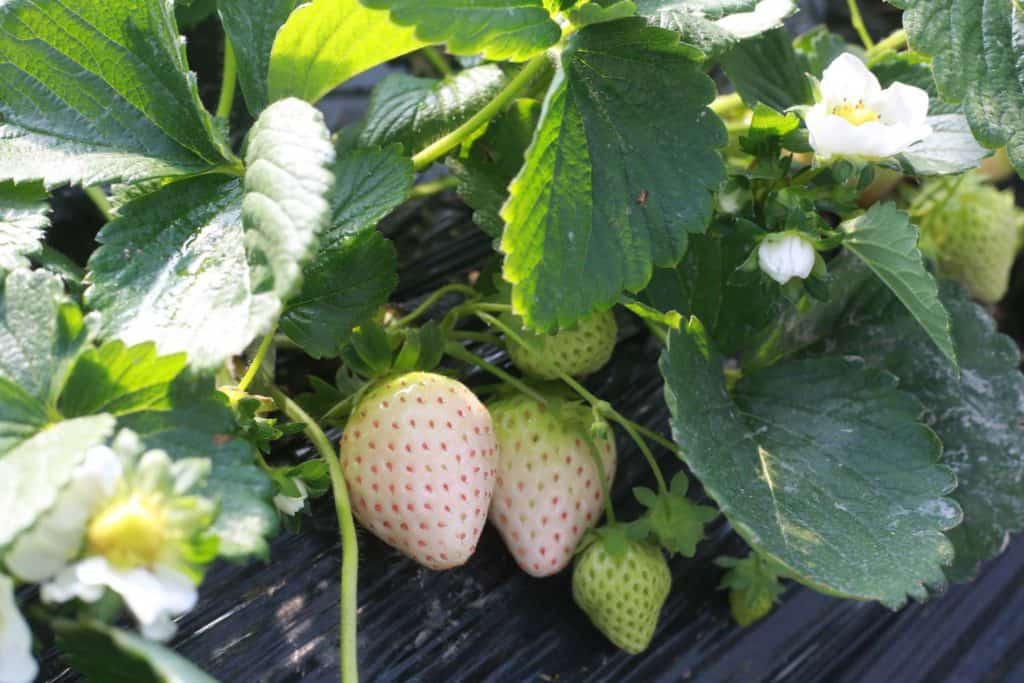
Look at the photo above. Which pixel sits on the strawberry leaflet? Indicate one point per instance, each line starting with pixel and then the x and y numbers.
pixel 620 172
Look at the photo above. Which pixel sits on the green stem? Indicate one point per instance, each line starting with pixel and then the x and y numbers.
pixel 349 543
pixel 227 83
pixel 434 186
pixel 459 352
pixel 727 105
pixel 642 445
pixel 257 360
pixel 50 257
pixel 895 41
pixel 340 408
pixel 437 61
pixel 482 337
pixel 437 295
pixel 438 149
pixel 858 24
pixel 100 200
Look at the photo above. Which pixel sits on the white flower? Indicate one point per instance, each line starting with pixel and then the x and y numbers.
pixel 786 255
pixel 56 539
pixel 856 118
pixel 290 505
pixel 16 662
pixel 768 14
pixel 124 523
pixel 154 595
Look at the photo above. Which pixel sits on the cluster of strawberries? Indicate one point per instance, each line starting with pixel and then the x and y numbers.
pixel 427 464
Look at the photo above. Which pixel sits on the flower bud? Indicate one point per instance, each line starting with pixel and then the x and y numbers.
pixel 787 255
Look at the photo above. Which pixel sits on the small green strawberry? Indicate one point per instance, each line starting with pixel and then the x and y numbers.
pixel 971 231
pixel 622 592
pixel 753 584
pixel 580 350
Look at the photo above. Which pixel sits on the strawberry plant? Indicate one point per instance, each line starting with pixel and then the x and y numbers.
pixel 802 242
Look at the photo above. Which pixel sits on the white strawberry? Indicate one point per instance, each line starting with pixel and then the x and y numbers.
pixel 549 490
pixel 420 459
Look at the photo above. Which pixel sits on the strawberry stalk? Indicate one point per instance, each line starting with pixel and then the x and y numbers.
pixel 349 543
pixel 257 360
pixel 453 288
pixel 459 352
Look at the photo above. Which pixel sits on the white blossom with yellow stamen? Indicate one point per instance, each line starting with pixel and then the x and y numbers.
pixel 124 523
pixel 854 117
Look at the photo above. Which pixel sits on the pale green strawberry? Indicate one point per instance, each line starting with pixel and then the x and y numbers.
pixel 753 584
pixel 580 350
pixel 622 593
pixel 971 234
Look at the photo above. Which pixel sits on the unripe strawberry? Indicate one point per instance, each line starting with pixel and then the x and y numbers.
pixel 623 595
pixel 753 584
pixel 549 489
pixel 972 234
pixel 580 350
pixel 748 605
pixel 420 459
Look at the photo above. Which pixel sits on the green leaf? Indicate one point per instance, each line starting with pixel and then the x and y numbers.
pixel 486 168
pixel 117 379
pixel 499 29
pixel 172 268
pixel 884 239
pixel 694 20
pixel 950 149
pixel 913 69
pixel 34 471
pixel 620 172
pixel 194 279
pixel 978 59
pixel 41 334
pixel 416 111
pixel 287 180
pixel 112 655
pixel 819 47
pixel 23 220
pixel 820 464
pixel 353 272
pixel 252 27
pixel 675 521
pixel 977 412
pixel 735 306
pixel 99 92
pixel 768 70
pixel 326 42
pixel 345 285
pixel 599 11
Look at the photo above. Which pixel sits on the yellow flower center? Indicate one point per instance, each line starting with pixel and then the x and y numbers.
pixel 129 533
pixel 857 114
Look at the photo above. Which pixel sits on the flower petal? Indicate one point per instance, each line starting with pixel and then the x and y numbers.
pixel 902 103
pixel 153 596
pixel 784 256
pixel 290 505
pixel 16 662
pixel 847 79
pixel 56 539
pixel 768 14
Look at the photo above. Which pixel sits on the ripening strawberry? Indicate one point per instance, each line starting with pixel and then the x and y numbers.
pixel 623 594
pixel 972 234
pixel 580 350
pixel 420 459
pixel 549 489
